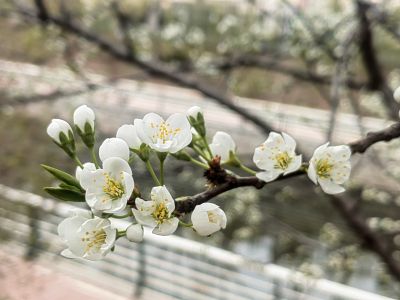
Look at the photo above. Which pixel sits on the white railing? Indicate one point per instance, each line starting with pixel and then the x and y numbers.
pixel 162 267
pixel 131 98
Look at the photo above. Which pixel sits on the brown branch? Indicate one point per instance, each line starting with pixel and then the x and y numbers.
pixel 370 240
pixel 156 69
pixel 376 78
pixel 42 12
pixel 123 25
pixel 356 223
pixel 233 182
pixel 274 66
pixel 385 135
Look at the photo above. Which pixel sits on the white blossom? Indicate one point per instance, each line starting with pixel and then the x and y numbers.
pixel 128 133
pixel 87 167
pixel 114 147
pixel 330 167
pixel 194 111
pixel 276 156
pixel 171 135
pixel 82 115
pixel 222 144
pixel 157 212
pixel 134 233
pixel 57 127
pixel 108 189
pixel 86 237
pixel 208 218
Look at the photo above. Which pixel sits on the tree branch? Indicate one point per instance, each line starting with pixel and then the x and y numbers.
pixel 233 182
pixel 385 135
pixel 369 239
pixel 376 78
pixel 275 66
pixel 156 69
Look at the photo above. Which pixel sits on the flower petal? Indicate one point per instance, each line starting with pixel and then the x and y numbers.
pixel 167 227
pixel 320 151
pixel 329 187
pixel 116 165
pixel 294 165
pixel 289 142
pixel 312 174
pixel 128 133
pixel 161 194
pixel 143 219
pixel 146 208
pixel 268 176
pixel 114 147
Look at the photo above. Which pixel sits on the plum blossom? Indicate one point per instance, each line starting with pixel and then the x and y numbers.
pixel 87 167
pixel 107 189
pixel 86 237
pixel 60 131
pixel 330 167
pixel 208 218
pixel 157 212
pixel 134 233
pixel 276 156
pixel 194 111
pixel 114 147
pixel 84 115
pixel 171 135
pixel 222 145
pixel 128 133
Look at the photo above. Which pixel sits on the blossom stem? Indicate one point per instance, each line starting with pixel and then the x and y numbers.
pixel 204 139
pixel 248 170
pixel 121 233
pixel 161 172
pixel 76 159
pixel 152 173
pixel 200 152
pixel 199 163
pixel 185 224
pixel 162 156
pixel 94 158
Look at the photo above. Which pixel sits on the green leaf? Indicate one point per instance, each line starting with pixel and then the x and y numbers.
pixel 64 177
pixel 69 187
pixel 65 194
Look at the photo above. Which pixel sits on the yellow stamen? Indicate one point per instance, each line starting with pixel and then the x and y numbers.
pixel 113 188
pixel 94 240
pixel 282 160
pixel 160 214
pixel 324 168
pixel 164 131
pixel 212 217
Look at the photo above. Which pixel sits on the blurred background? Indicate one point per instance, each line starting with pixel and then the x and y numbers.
pixel 318 70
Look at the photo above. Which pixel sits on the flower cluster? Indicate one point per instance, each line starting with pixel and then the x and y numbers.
pixel 107 185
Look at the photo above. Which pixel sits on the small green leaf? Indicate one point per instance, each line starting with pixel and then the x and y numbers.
pixel 69 187
pixel 64 177
pixel 65 194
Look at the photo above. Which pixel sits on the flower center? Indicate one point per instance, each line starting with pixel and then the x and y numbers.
pixel 94 240
pixel 324 168
pixel 282 160
pixel 164 131
pixel 160 213
pixel 212 217
pixel 113 188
